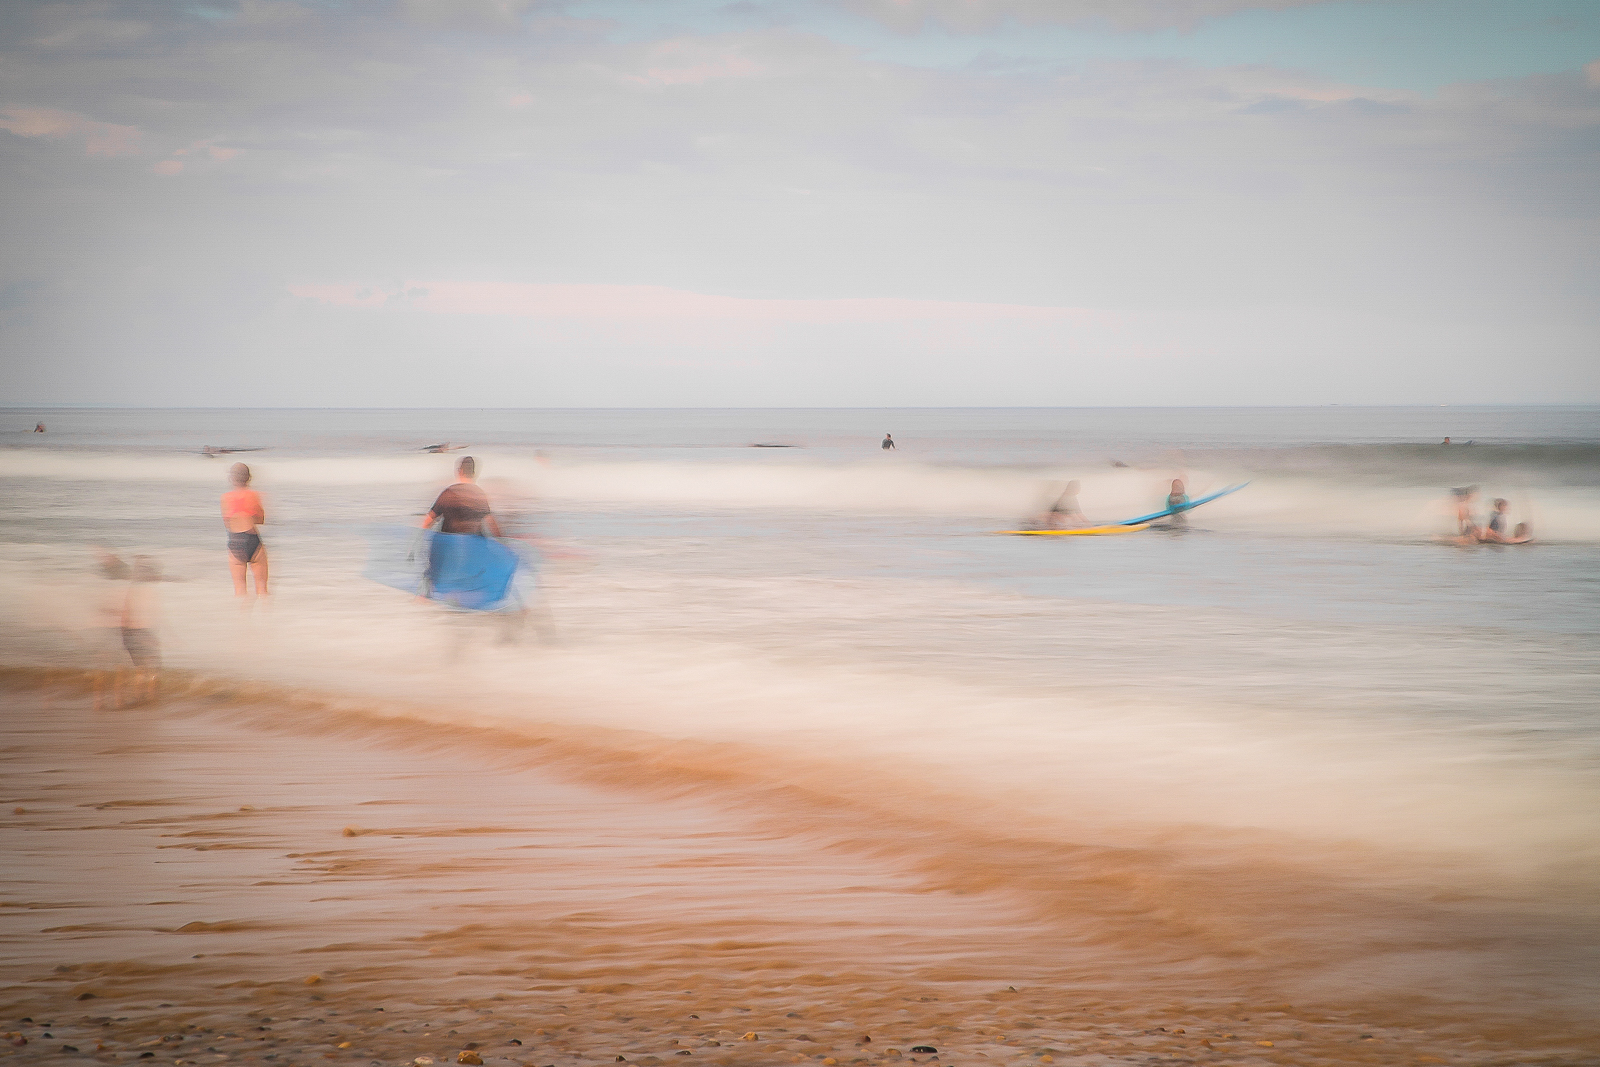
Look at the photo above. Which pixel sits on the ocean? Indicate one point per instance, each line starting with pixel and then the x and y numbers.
pixel 1301 750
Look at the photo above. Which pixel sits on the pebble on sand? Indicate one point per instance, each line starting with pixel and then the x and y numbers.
pixel 313 979
pixel 353 831
pixel 751 1036
pixel 466 1055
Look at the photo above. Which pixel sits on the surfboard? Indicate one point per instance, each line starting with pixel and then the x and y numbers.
pixel 1145 519
pixel 1082 531
pixel 459 570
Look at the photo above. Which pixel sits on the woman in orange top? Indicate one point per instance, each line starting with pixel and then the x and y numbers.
pixel 241 514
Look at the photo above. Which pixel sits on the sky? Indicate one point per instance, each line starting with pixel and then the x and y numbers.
pixel 813 203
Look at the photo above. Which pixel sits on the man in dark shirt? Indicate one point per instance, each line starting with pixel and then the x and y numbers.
pixel 463 508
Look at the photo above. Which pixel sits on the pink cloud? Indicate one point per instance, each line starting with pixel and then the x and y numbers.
pixel 168 166
pixel 521 100
pixel 1592 72
pixel 726 67
pixel 690 63
pixel 221 155
pixel 100 138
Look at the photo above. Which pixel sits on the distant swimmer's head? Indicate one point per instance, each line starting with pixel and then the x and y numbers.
pixel 467 469
pixel 1500 503
pixel 239 475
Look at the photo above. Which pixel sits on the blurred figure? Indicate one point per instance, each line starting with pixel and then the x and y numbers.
pixel 1494 531
pixel 139 618
pixel 1495 528
pixel 242 513
pixel 515 509
pixel 888 441
pixel 1178 503
pixel 106 628
pixel 1445 441
pixel 1467 531
pixel 38 427
pixel 1063 511
pixel 463 508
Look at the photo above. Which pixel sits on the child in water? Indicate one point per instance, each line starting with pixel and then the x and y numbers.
pixel 139 617
pixel 1494 531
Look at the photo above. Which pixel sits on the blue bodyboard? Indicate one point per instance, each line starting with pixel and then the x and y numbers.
pixel 1189 507
pixel 461 570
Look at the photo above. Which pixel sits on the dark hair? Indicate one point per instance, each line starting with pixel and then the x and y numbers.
pixel 1499 501
pixel 239 474
pixel 468 467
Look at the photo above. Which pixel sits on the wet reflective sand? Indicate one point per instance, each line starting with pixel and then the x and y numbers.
pixel 205 882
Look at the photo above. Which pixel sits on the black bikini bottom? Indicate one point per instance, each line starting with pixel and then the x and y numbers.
pixel 244 546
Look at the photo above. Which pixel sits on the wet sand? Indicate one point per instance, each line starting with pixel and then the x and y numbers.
pixel 201 881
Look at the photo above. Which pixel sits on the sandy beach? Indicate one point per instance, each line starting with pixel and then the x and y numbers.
pixel 195 882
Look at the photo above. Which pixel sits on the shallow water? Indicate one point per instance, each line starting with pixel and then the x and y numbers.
pixel 1299 748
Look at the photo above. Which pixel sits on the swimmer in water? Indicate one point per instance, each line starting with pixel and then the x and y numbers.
pixel 1494 531
pixel 38 427
pixel 241 514
pixel 888 442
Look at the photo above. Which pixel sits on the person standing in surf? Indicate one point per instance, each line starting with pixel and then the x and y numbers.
pixel 242 513
pixel 463 508
pixel 888 442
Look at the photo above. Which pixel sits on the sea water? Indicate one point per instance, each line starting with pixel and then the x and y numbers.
pixel 1300 742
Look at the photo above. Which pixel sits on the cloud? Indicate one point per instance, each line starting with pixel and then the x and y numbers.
pixel 976 16
pixel 546 206
pixel 690 62
pixel 494 15
pixel 1592 72
pixel 99 138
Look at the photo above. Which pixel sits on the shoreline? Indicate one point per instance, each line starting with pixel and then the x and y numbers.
pixel 192 875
